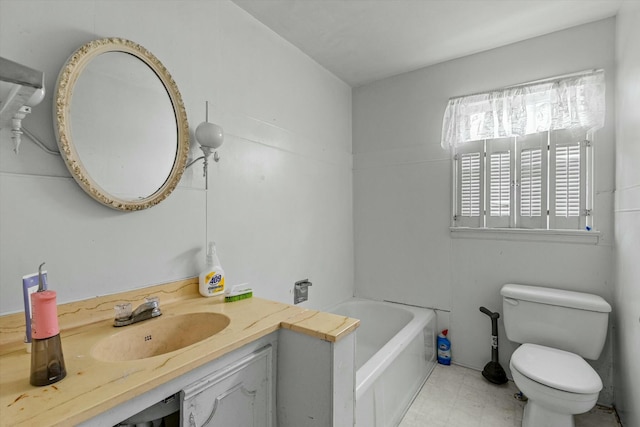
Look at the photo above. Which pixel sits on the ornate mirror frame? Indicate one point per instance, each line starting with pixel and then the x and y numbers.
pixel 61 112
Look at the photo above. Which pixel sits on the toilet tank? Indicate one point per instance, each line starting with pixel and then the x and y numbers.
pixel 566 320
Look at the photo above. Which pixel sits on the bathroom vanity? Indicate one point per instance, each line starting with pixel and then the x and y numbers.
pixel 236 389
pixel 273 364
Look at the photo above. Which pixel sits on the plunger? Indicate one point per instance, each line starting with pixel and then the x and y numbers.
pixel 493 372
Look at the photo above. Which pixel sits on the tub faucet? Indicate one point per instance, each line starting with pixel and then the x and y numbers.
pixel 148 309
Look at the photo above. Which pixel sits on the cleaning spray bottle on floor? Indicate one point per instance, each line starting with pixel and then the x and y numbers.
pixel 212 278
pixel 444 348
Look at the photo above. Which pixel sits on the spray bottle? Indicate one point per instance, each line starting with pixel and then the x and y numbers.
pixel 212 278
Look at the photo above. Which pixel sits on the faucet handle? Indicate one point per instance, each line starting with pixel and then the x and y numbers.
pixel 155 303
pixel 123 311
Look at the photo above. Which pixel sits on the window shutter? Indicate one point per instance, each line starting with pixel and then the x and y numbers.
pixel 500 177
pixel 567 180
pixel 538 181
pixel 470 190
pixel 470 183
pixel 531 191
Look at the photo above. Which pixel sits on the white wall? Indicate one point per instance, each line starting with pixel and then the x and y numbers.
pixel 279 203
pixel 627 217
pixel 402 195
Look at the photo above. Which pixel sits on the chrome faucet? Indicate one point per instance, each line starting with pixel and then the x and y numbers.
pixel 147 310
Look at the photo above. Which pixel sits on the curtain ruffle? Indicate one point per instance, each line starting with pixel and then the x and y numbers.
pixel 565 103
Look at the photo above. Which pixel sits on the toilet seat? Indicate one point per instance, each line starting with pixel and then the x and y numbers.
pixel 555 368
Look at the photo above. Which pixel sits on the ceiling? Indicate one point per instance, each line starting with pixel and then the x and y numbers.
pixel 361 41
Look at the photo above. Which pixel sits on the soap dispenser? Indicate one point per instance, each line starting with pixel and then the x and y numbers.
pixel 212 278
pixel 47 360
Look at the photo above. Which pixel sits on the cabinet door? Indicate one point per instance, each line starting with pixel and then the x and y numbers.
pixel 239 395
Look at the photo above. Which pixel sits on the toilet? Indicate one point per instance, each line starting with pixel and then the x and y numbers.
pixel 558 329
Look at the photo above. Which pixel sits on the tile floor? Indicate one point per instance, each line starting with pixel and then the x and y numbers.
pixel 454 396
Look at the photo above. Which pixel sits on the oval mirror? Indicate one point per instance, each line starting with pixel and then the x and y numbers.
pixel 121 124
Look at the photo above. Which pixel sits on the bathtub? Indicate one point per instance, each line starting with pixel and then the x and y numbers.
pixel 395 353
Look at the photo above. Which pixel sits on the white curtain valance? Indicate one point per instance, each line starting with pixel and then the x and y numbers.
pixel 565 103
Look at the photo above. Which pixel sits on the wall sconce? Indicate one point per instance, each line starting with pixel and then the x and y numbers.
pixel 210 136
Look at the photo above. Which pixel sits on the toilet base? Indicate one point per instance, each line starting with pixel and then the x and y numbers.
pixel 550 407
pixel 537 416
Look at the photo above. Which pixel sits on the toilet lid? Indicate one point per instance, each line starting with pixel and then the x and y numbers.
pixel 556 368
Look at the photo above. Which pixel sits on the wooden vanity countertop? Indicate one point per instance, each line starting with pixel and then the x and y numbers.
pixel 93 386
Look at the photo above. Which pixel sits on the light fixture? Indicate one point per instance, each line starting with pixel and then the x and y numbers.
pixel 21 88
pixel 210 136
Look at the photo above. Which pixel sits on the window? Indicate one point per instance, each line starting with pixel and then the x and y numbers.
pixel 537 181
pixel 523 155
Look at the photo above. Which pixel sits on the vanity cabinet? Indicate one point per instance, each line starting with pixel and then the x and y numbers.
pixel 240 394
pixel 283 379
pixel 274 365
pixel 235 390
